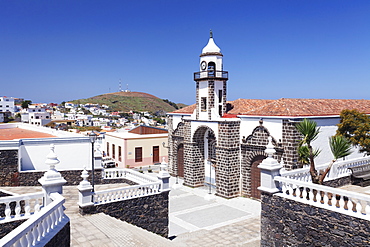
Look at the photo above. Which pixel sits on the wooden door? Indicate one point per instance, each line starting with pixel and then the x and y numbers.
pixel 256 176
pixel 180 160
pixel 155 154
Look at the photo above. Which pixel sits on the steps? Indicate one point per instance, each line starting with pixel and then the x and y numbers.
pixel 125 234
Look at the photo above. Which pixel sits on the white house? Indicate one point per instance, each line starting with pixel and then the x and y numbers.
pixel 7 104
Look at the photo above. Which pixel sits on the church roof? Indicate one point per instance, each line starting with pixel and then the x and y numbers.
pixel 186 110
pixel 290 107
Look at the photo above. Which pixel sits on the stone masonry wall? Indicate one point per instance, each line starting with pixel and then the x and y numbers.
pixel 175 139
pixel 9 168
pixel 291 138
pixel 254 145
pixel 5 228
pixel 148 212
pixel 285 222
pixel 62 238
pixel 211 98
pixel 227 156
pixel 11 177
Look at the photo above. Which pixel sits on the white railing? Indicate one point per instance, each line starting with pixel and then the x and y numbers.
pixel 129 174
pixel 21 207
pixel 126 193
pixel 346 202
pixel 40 227
pixel 339 169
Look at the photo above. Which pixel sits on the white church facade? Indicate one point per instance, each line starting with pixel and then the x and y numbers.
pixel 221 143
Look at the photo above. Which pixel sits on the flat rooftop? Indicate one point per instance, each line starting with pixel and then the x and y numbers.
pixel 18 133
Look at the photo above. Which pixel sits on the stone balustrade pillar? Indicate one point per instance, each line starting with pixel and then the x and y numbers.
pixel 85 190
pixel 164 176
pixel 52 181
pixel 270 168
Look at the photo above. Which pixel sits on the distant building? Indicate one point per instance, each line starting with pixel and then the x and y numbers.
pixel 7 105
pixel 140 146
pixel 36 115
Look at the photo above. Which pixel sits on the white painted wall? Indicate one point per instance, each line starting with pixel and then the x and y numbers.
pixel 274 126
pixel 203 92
pixel 73 153
pixel 322 142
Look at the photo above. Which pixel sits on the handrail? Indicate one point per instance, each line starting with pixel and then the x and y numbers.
pixel 41 227
pixel 32 204
pixel 125 193
pixel 211 74
pixel 339 169
pixel 334 199
pixel 135 176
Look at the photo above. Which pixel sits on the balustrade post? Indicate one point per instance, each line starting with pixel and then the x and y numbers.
pixel 52 181
pixel 270 168
pixel 164 176
pixel 85 190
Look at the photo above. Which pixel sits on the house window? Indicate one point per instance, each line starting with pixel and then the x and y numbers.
pixel 119 153
pixel 107 148
pixel 113 151
pixel 138 154
pixel 219 96
pixel 203 104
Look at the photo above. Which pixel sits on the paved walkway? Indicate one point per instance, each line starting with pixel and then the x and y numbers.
pixel 196 219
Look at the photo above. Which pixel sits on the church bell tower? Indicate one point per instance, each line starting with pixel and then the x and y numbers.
pixel 210 83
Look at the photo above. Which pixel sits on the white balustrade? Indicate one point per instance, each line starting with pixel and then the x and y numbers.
pixel 346 202
pixel 125 193
pixel 40 227
pixel 129 174
pixel 338 170
pixel 32 203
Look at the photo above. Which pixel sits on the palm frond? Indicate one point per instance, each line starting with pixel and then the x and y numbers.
pixel 340 146
pixel 309 130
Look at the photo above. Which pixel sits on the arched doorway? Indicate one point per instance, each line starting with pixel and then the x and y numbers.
pixel 204 157
pixel 256 176
pixel 180 160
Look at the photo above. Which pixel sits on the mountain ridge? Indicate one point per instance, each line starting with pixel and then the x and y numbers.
pixel 130 101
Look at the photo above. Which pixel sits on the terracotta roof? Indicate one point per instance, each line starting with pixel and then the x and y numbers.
pixel 187 109
pixel 241 106
pixel 290 107
pixel 308 107
pixel 18 133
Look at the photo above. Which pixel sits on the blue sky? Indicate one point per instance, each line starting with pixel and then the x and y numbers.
pixel 54 51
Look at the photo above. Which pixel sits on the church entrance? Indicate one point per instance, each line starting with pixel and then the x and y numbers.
pixel 180 160
pixel 256 176
pixel 205 155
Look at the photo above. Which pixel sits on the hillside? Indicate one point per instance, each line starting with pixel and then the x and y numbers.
pixel 126 101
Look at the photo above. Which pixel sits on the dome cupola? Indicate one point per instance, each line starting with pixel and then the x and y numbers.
pixel 211 47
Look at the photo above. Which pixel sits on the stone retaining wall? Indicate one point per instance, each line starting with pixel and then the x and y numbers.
pixel 10 176
pixel 8 167
pixel 5 228
pixel 148 212
pixel 286 222
pixel 62 238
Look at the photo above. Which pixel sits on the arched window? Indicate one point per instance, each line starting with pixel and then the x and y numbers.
pixel 211 69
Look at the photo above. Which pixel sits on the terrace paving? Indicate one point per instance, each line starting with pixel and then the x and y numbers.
pixel 194 221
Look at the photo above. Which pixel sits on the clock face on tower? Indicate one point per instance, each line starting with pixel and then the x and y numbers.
pixel 203 65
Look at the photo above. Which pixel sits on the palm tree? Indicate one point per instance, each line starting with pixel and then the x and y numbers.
pixel 339 146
